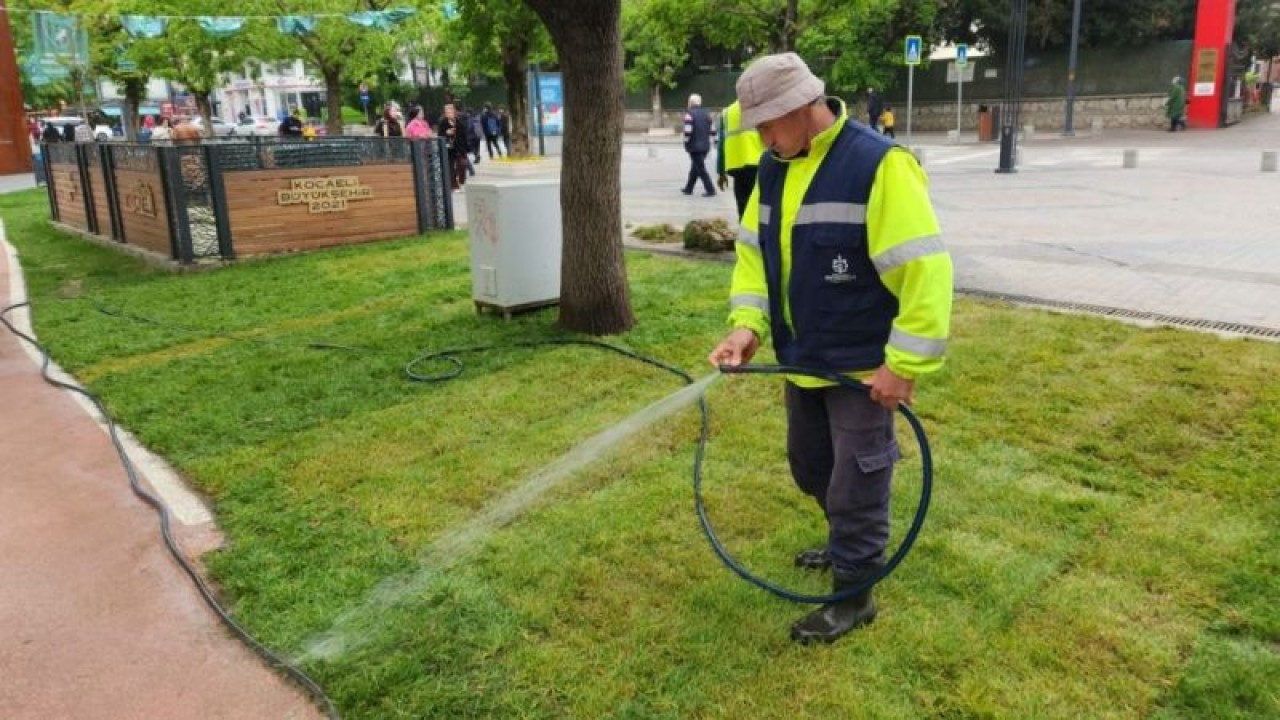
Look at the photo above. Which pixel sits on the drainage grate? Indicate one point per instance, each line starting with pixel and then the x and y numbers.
pixel 1123 314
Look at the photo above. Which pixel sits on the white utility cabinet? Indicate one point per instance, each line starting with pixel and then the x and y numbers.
pixel 514 232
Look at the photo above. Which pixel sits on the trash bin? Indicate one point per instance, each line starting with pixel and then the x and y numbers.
pixel 988 123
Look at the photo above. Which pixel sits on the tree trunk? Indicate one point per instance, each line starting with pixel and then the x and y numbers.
pixel 594 297
pixel 656 97
pixel 515 71
pixel 205 109
pixel 133 91
pixel 332 101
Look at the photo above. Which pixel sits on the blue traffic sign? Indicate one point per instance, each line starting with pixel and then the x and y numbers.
pixel 913 49
pixel 962 55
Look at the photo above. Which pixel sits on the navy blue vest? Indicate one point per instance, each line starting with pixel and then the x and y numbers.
pixel 841 313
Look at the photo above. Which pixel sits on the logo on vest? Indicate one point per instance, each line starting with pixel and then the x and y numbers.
pixel 840 272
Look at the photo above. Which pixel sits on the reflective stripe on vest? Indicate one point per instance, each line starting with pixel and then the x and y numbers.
pixel 841 314
pixel 742 146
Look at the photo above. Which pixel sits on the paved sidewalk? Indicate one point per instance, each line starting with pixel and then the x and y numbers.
pixel 96 618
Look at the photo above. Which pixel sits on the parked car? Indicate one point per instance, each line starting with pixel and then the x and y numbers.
pixel 101 132
pixel 221 128
pixel 261 125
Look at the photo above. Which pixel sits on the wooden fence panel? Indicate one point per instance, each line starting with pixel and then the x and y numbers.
pixel 143 211
pixel 68 192
pixel 304 208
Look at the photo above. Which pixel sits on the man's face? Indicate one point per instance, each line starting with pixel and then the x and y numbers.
pixel 788 135
pixel 450 111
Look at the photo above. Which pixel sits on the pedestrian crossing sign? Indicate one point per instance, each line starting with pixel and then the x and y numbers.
pixel 962 55
pixel 913 49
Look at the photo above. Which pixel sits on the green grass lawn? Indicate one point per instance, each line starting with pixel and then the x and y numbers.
pixel 1103 540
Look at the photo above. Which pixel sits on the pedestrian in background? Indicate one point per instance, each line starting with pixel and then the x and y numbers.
pixel 1175 105
pixel 417 126
pixel 738 157
pixel 875 106
pixel 492 131
pixel 455 139
pixel 840 261
pixel 887 122
pixel 504 128
pixel 697 142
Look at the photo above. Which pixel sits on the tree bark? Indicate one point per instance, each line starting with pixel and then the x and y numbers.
pixel 205 108
pixel 332 101
pixel 594 296
pixel 656 104
pixel 134 89
pixel 515 71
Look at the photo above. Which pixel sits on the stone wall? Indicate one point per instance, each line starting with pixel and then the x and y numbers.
pixel 1133 111
pixel 1127 111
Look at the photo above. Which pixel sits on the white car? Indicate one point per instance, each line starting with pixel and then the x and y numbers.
pixel 261 125
pixel 221 128
pixel 101 132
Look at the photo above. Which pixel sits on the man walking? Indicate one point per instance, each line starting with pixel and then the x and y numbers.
pixel 875 106
pixel 840 260
pixel 697 142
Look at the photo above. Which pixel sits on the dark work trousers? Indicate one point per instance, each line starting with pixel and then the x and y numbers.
pixel 744 181
pixel 492 146
pixel 698 171
pixel 842 448
pixel 458 164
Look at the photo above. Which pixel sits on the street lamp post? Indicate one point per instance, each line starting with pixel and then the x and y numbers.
pixel 1067 129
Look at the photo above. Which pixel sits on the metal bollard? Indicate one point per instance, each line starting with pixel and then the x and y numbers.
pixel 1268 161
pixel 1131 158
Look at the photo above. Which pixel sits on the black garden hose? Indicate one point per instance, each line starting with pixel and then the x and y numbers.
pixel 926 489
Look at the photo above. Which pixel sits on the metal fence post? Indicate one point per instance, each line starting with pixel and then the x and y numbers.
pixel 175 197
pixel 112 192
pixel 418 150
pixel 218 199
pixel 82 162
pixel 49 183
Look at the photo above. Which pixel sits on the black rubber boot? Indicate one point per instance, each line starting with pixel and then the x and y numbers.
pixel 833 620
pixel 813 559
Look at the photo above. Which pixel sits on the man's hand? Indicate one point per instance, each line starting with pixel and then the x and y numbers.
pixel 737 348
pixel 722 182
pixel 888 389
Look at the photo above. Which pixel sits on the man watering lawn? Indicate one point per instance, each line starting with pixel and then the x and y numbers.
pixel 841 262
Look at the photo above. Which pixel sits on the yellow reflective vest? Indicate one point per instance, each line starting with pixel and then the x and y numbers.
pixel 902 243
pixel 739 147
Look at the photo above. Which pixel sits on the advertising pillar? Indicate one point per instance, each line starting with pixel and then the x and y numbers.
pixel 15 143
pixel 1207 79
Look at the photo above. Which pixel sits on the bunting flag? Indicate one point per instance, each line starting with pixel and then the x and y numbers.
pixel 380 19
pixel 296 24
pixel 58 45
pixel 220 26
pixel 58 38
pixel 144 26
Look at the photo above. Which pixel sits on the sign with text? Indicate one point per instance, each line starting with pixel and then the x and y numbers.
pixel 324 194
pixel 954 74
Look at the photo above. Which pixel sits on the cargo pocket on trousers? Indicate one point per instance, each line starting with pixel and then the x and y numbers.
pixel 876 454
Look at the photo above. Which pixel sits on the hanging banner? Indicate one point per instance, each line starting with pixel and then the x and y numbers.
pixel 58 38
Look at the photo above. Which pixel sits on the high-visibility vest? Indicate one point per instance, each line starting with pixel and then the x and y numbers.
pixel 742 147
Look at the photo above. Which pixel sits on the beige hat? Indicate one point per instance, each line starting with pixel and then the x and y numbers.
pixel 775 85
